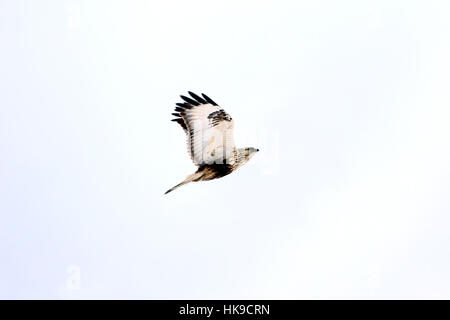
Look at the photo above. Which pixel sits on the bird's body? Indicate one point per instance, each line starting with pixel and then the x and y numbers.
pixel 210 140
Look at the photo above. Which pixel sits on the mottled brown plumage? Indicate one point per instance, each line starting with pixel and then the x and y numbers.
pixel 209 131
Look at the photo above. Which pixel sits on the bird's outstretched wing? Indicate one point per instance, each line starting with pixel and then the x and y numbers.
pixel 208 127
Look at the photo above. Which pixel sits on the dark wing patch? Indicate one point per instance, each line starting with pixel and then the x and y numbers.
pixel 217 116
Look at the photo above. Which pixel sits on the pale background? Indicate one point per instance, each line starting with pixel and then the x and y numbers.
pixel 348 101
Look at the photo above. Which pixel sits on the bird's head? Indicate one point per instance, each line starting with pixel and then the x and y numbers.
pixel 250 152
pixel 244 154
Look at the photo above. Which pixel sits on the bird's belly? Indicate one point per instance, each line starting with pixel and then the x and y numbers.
pixel 214 171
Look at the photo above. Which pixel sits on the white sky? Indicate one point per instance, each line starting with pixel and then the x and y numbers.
pixel 348 101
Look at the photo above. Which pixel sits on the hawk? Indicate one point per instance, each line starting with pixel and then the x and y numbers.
pixel 210 142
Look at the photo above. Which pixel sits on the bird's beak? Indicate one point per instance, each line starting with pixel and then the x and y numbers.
pixel 257 150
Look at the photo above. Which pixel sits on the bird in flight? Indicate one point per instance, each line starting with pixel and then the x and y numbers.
pixel 210 142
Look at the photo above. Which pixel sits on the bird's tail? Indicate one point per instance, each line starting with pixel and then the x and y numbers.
pixel 177 186
pixel 193 177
